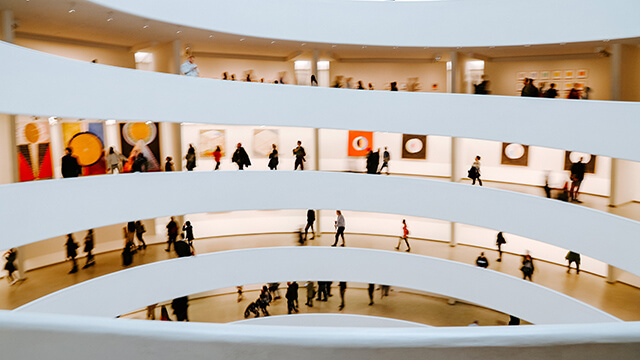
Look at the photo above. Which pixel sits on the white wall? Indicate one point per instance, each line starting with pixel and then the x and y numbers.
pixel 381 74
pixel 211 67
pixel 114 56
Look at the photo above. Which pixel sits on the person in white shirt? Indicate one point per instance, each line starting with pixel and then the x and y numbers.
pixel 476 165
pixel 189 68
pixel 339 228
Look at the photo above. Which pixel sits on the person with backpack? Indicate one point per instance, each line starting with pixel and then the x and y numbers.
pixel 405 234
pixel 527 267
pixel 299 153
pixel 499 242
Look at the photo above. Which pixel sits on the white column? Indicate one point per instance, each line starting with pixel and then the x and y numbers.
pixel 314 63
pixel 8 150
pixel 455 75
pixel 616 87
pixel 6 18
pixel 171 143
pixel 612 274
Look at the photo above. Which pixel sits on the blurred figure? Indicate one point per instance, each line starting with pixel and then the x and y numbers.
pixel 274 290
pixel 188 230
pixel 573 257
pixel 191 158
pixel 282 76
pixel 291 295
pixel 129 246
pixel 311 293
pixel 587 91
pixel 552 93
pixel 189 67
pixel 168 165
pixel 527 267
pixel 241 157
pixel 217 155
pixel 541 90
pixel 546 187
pixel 563 195
pixel 405 234
pixel 474 323
pixel 514 320
pixel 500 240
pixel 370 86
pixel 71 247
pixel 529 90
pixel 172 234
pixel 370 291
pixel 348 84
pixel 311 218
pixel 273 158
pixel 394 86
pixel 338 82
pixel 360 85
pixel 88 248
pixel 140 164
pixel 233 77
pixel 577 175
pixel 70 166
pixel 314 81
pixel 164 314
pixel 339 225
pixel 114 161
pixel 10 256
pixel 180 306
pixel 474 171
pixel 385 161
pixel 264 300
pixel 343 290
pixel 295 286
pixel 140 230
pixel 299 154
pixel 182 247
pixel 482 261
pixel 384 290
pixel 373 159
pixel 483 87
pixel 248 78
pixel 239 291
pixel 151 312
pixel 322 291
pixel 574 93
pixel 225 76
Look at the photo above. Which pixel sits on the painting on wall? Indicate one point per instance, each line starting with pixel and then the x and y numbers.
pixel 515 154
pixel 520 75
pixel 533 75
pixel 568 85
pixel 582 73
pixel 545 75
pixel 34 149
pixel 557 74
pixel 569 74
pixel 580 84
pixel 209 140
pixel 571 157
pixel 414 146
pixel 86 140
pixel 141 137
pixel 359 142
pixel 263 140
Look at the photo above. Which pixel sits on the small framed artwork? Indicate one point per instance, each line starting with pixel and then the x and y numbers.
pixel 545 75
pixel 515 154
pixel 569 74
pixel 520 75
pixel 414 146
pixel 519 86
pixel 572 157
pixel 533 75
pixel 582 73
pixel 568 85
pixel 556 74
pixel 580 84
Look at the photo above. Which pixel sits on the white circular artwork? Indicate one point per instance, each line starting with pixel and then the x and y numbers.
pixel 414 146
pixel 514 151
pixel 360 143
pixel 575 156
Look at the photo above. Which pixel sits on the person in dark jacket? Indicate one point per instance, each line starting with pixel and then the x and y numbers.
pixel 291 295
pixel 168 165
pixel 552 93
pixel 577 175
pixel 172 233
pixel 573 257
pixel 527 267
pixel 180 306
pixel 72 252
pixel 10 256
pixel 139 231
pixel 88 248
pixel 343 290
pixel 529 90
pixel 191 158
pixel 500 240
pixel 182 248
pixel 188 230
pixel 311 218
pixel 240 157
pixel 140 164
pixel 482 261
pixel 70 166
pixel 299 154
pixel 273 158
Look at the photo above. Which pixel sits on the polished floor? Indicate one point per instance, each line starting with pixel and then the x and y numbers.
pixel 618 299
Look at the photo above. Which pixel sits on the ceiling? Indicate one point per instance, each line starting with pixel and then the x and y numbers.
pixel 90 22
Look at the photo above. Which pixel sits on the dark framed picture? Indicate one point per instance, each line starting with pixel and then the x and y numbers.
pixel 515 154
pixel 571 157
pixel 414 146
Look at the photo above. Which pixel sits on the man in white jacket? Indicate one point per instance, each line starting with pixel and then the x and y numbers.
pixel 189 68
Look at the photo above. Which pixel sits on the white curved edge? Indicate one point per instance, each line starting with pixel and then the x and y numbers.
pixel 50 88
pixel 127 290
pixel 386 23
pixel 600 235
pixel 330 320
pixel 108 339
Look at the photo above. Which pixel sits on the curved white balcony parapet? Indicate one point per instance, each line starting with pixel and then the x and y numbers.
pixel 331 320
pixel 127 290
pixel 56 86
pixel 416 24
pixel 69 205
pixel 106 339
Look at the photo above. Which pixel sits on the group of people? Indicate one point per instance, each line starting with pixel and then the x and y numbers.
pixel 373 160
pixel 530 90
pixel 71 247
pixel 180 308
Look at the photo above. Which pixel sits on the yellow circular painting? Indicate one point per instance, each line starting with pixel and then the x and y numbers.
pixel 87 147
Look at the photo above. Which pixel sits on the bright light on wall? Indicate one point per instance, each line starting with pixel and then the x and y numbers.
pixel 302 65
pixel 53 120
pixel 323 65
pixel 110 122
pixel 143 57
pixel 475 65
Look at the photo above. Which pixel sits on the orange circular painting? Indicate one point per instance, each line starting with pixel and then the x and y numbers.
pixel 87 147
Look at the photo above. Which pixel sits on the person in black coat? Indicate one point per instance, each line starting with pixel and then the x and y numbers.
pixel 188 230
pixel 72 252
pixel 191 158
pixel 273 158
pixel 311 218
pixel 291 295
pixel 577 175
pixel 482 261
pixel 140 164
pixel 241 157
pixel 180 306
pixel 70 166
pixel 88 248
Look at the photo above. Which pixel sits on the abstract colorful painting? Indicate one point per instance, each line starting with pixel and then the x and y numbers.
pixel 86 140
pixel 34 150
pixel 209 140
pixel 414 146
pixel 359 142
pixel 263 140
pixel 582 74
pixel 141 137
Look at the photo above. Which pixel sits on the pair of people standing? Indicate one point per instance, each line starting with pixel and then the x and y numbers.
pixel 298 152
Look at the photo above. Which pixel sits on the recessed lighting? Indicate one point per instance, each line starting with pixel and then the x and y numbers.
pixel 527 45
pixel 606 40
pixel 110 122
pixel 210 36
pixel 148 122
pixel 303 44
pixel 145 26
pixel 273 42
pixel 72 7
pixel 109 16
pixel 333 46
pixel 53 120
pixel 241 39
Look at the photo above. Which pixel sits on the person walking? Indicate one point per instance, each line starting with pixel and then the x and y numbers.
pixel 70 166
pixel 311 293
pixel 482 261
pixel 88 248
pixel 188 229
pixel 168 165
pixel 386 157
pixel 273 158
pixel 217 155
pixel 577 175
pixel 129 246
pixel 291 295
pixel 189 67
pixel 405 234
pixel 343 290
pixel 527 267
pixel 172 233
pixel 299 153
pixel 474 171
pixel 500 240
pixel 241 157
pixel 114 161
pixel 311 218
pixel 322 291
pixel 139 231
pixel 339 225
pixel 573 257
pixel 71 247
pixel 180 306
pixel 370 291
pixel 190 158
pixel 10 256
